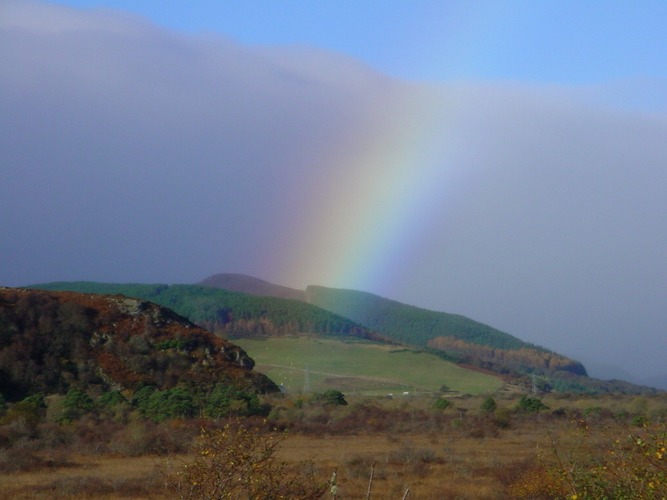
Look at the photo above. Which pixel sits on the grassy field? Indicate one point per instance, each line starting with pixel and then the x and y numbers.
pixel 305 364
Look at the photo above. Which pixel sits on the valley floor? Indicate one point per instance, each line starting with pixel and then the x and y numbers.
pixel 431 466
pixel 460 452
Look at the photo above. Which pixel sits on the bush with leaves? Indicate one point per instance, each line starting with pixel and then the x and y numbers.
pixel 331 397
pixel 489 405
pixel 613 461
pixel 111 398
pixel 238 461
pixel 531 405
pixel 28 412
pixel 113 405
pixel 225 400
pixel 142 396
pixel 441 404
pixel 76 404
pixel 170 403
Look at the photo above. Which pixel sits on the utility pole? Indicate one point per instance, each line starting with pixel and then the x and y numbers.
pixel 306 379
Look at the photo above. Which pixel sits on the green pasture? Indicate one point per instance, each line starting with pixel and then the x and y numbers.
pixel 308 364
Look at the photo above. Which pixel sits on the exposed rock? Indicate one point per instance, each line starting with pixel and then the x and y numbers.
pixel 53 341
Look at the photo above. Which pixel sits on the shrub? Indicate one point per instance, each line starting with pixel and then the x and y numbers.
pixel 441 404
pixel 146 437
pixel 76 404
pixel 113 405
pixel 619 462
pixel 240 462
pixel 331 397
pixel 225 400
pixel 639 420
pixel 531 405
pixel 142 396
pixel 528 479
pixel 19 458
pixel 502 417
pixel 171 403
pixel 111 398
pixel 161 405
pixel 489 405
pixel 26 413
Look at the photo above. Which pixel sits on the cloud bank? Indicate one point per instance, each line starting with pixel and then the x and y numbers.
pixel 132 153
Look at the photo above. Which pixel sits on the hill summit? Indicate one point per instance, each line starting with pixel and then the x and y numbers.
pixel 252 286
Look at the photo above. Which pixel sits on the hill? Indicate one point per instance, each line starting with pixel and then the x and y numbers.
pixel 461 338
pixel 408 324
pixel 453 336
pixel 252 286
pixel 352 314
pixel 232 314
pixel 52 342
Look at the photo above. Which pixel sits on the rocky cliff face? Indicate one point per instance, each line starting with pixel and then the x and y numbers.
pixel 51 342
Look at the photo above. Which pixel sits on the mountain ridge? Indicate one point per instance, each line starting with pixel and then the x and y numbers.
pixel 572 375
pixel 462 338
pixel 230 313
pixel 256 314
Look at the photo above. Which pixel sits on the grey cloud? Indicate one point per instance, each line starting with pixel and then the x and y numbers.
pixel 130 153
pixel 562 237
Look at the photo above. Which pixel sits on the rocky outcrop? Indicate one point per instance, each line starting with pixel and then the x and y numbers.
pixel 53 341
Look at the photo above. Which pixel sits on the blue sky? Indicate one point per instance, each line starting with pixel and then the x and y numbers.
pixel 572 42
pixel 501 160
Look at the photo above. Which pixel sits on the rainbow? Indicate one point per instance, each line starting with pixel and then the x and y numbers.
pixel 380 194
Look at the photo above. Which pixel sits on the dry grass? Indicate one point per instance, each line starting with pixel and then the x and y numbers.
pixel 90 477
pixel 459 454
pixel 443 465
pixel 432 466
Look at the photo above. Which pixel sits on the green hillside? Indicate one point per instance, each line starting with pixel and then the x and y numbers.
pixel 229 313
pixel 317 364
pixel 452 337
pixel 459 338
pixel 352 313
pixel 265 326
pixel 408 324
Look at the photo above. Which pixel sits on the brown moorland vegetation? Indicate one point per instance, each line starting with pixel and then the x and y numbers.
pixel 110 397
pixel 52 342
pixel 470 449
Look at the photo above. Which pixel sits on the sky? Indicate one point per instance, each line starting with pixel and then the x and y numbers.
pixel 504 160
